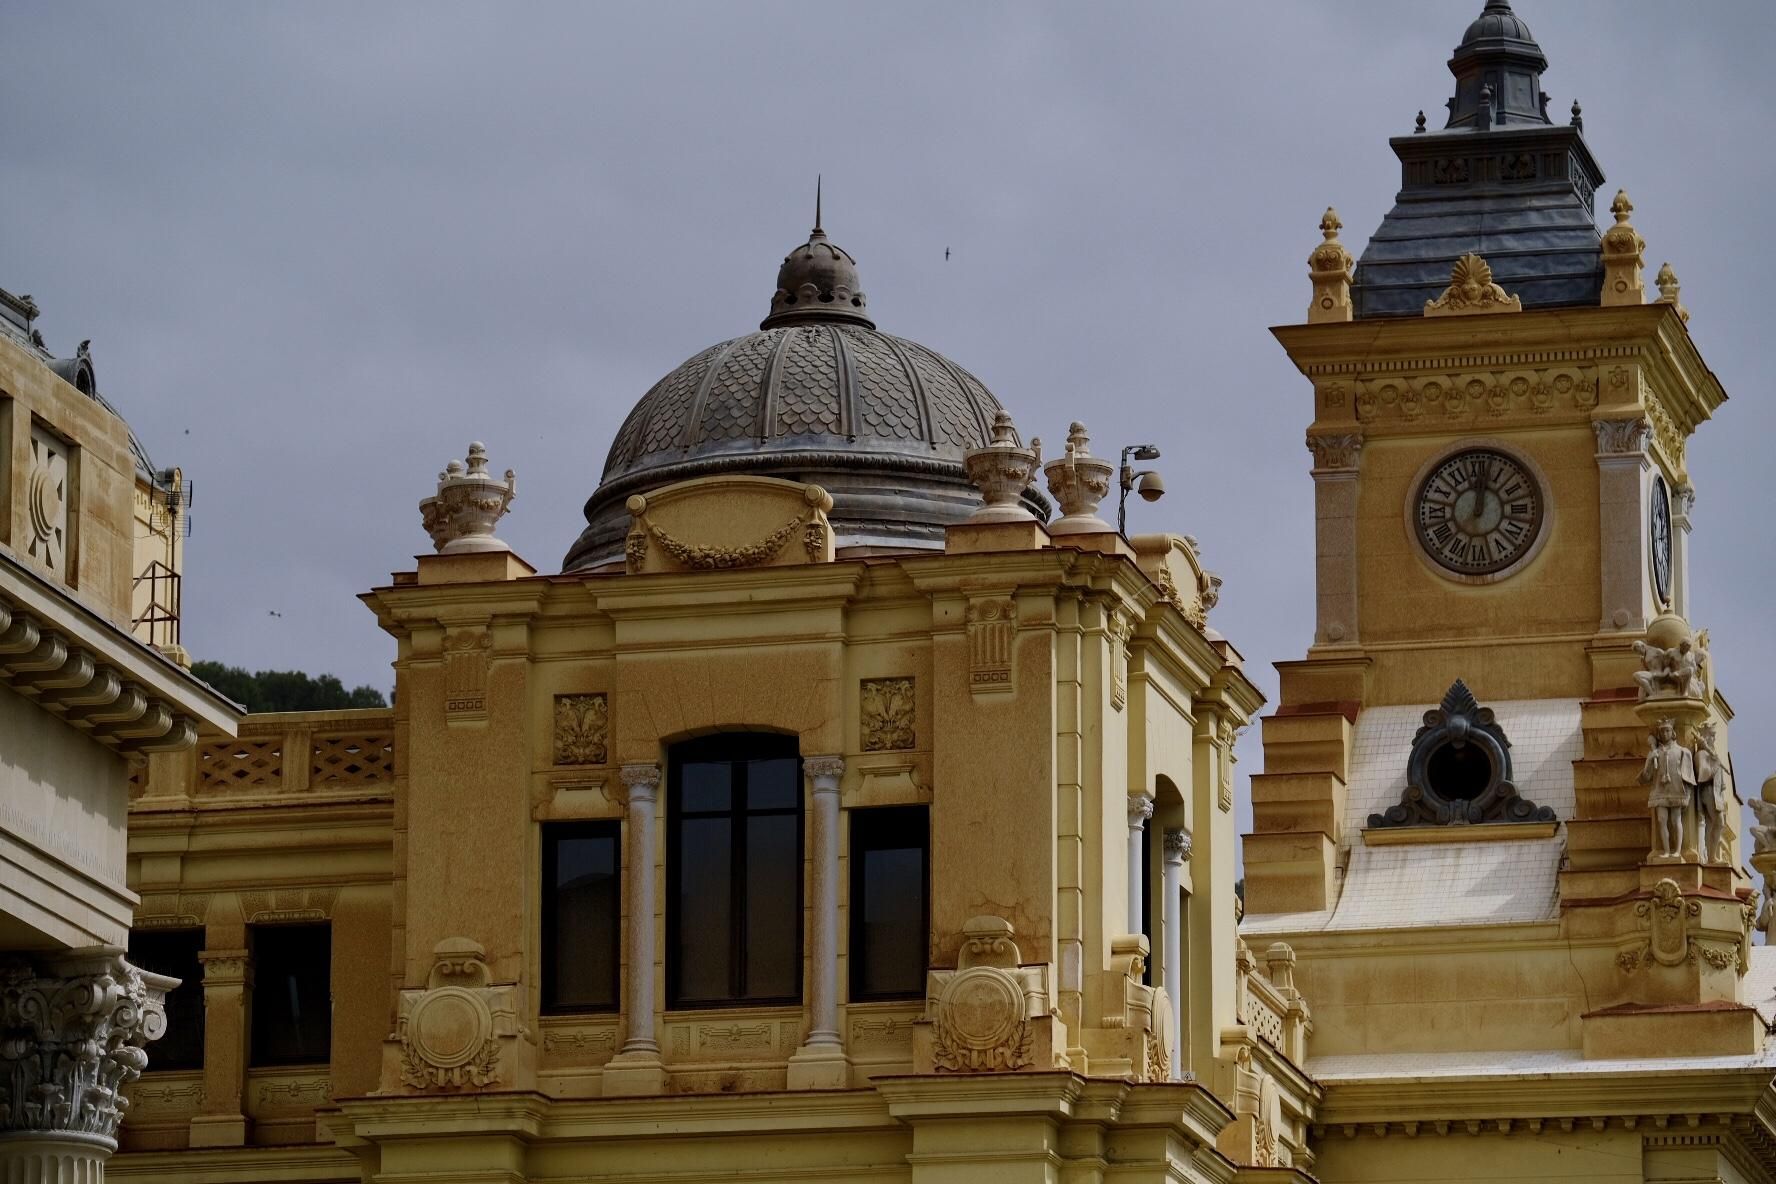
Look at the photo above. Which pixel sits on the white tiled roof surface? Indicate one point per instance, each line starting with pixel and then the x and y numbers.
pixel 1476 883
pixel 1412 1066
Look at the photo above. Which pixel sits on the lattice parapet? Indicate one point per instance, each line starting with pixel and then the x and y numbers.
pixel 240 764
pixel 295 753
pixel 351 759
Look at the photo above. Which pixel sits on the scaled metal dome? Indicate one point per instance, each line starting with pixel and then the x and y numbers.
pixel 817 395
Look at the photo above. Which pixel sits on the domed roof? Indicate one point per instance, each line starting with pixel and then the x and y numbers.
pixel 1496 22
pixel 817 394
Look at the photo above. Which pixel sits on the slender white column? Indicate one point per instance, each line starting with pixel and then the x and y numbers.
pixel 820 1062
pixel 1177 850
pixel 1140 810
pixel 642 783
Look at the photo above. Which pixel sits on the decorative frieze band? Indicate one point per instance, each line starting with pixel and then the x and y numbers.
pixel 1494 394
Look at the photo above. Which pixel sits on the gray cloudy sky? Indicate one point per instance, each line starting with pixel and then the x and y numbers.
pixel 320 247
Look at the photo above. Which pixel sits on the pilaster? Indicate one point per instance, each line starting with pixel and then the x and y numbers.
pixel 1337 457
pixel 1623 467
pixel 228 976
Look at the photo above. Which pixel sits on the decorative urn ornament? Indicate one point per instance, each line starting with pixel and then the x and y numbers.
pixel 1079 481
pixel 461 516
pixel 1002 470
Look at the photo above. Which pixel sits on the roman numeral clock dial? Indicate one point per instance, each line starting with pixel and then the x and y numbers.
pixel 1478 512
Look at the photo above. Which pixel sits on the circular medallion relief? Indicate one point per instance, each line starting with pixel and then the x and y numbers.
pixel 1659 538
pixel 449 1026
pixel 1478 511
pixel 982 1007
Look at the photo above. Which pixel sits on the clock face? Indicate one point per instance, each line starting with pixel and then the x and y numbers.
pixel 1478 512
pixel 1659 532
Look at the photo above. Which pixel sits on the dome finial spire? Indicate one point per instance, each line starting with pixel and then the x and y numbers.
pixel 817 229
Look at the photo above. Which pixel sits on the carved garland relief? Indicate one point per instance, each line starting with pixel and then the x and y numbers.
pixel 582 729
pixel 885 714
pixel 1495 394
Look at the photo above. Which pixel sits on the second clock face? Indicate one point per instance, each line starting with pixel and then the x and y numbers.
pixel 1478 512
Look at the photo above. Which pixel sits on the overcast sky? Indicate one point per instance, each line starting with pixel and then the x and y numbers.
pixel 320 247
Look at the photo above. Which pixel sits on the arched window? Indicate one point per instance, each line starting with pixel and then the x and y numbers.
pixel 734 871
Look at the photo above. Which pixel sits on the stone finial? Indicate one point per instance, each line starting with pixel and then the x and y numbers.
pixel 1471 290
pixel 1669 290
pixel 460 517
pixel 1329 266
pixel 1419 126
pixel 1622 257
pixel 1079 481
pixel 1578 116
pixel 1002 470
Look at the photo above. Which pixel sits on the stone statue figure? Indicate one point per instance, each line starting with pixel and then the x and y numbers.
pixel 1671 771
pixel 1711 797
pixel 1763 835
pixel 1670 673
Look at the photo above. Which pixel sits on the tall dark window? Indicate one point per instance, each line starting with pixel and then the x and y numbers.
pixel 174 952
pixel 734 851
pixel 292 994
pixel 582 864
pixel 890 901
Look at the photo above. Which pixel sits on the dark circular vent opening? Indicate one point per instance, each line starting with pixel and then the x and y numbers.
pixel 1459 773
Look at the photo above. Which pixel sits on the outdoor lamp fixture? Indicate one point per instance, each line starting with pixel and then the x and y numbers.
pixel 1147 483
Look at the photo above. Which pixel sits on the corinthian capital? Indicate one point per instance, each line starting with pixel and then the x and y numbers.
pixel 1337 452
pixel 824 768
pixel 641 779
pixel 75 1029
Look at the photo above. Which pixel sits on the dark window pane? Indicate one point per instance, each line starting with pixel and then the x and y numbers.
pixel 706 785
pixel 773 908
pixel 705 908
pixel 894 921
pixel 581 915
pixel 174 952
pixel 292 995
pixel 773 784
pixel 889 902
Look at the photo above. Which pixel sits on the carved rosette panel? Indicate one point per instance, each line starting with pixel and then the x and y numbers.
pixel 992 630
pixel 49 500
pixel 451 1032
pixel 885 714
pixel 466 654
pixel 582 729
pixel 75 1027
pixel 1486 395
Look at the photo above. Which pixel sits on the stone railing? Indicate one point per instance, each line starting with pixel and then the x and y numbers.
pixel 292 752
pixel 1269 1004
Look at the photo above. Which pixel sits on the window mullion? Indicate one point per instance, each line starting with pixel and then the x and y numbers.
pixel 737 877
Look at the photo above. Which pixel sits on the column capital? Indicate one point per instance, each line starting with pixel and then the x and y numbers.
pixel 1140 809
pixel 1621 439
pixel 824 768
pixel 1335 452
pixel 82 1020
pixel 1177 846
pixel 225 968
pixel 641 779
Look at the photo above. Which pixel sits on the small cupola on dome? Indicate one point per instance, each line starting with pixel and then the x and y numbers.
pixel 818 282
pixel 1498 73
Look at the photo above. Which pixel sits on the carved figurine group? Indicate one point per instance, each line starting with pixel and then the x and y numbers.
pixel 1685 780
pixel 1671 673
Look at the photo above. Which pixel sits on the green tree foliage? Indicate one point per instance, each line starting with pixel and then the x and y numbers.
pixel 285 690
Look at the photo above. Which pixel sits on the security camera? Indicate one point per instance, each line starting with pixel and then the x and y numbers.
pixel 1150 486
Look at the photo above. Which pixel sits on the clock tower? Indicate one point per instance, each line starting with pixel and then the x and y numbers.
pixel 1454 823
